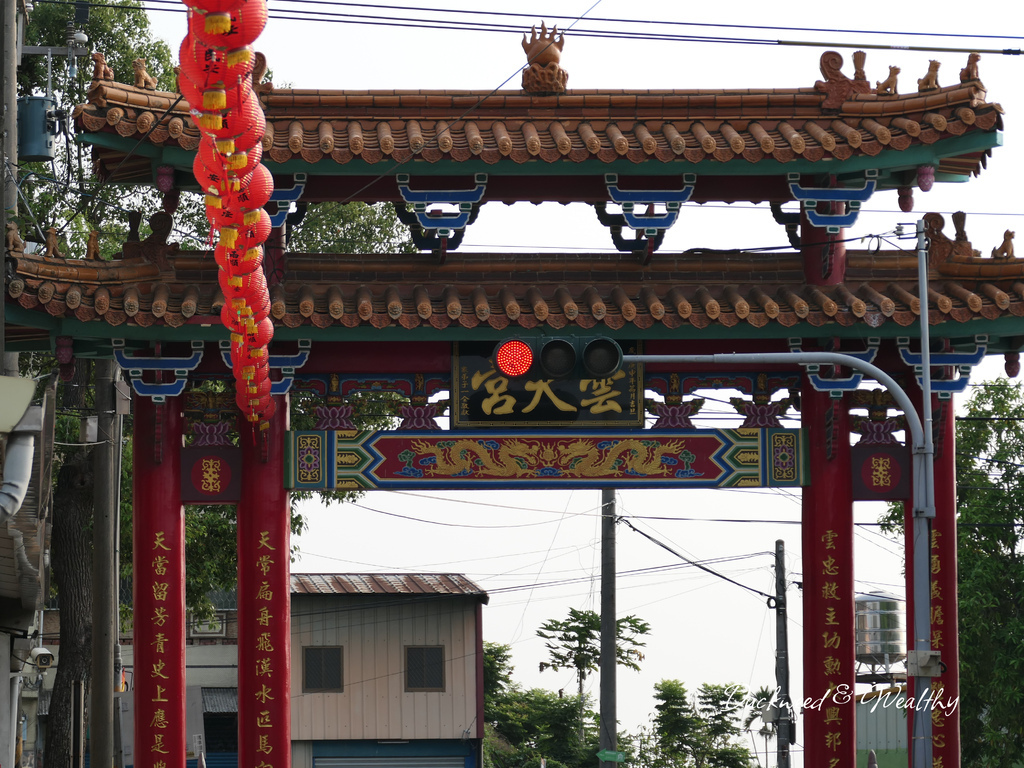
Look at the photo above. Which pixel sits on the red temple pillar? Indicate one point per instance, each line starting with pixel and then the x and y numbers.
pixel 264 598
pixel 824 254
pixel 827 538
pixel 158 562
pixel 945 710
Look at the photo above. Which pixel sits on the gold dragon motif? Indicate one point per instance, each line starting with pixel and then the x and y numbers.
pixel 537 458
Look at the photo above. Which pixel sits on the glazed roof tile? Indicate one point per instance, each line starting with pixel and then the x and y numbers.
pixel 699 289
pixel 615 127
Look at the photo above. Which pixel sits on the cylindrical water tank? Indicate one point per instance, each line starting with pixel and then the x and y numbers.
pixel 881 629
pixel 35 136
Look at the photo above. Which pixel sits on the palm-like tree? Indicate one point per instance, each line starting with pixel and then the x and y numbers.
pixel 759 702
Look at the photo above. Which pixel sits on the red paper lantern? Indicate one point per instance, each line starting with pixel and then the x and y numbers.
pixel 229 29
pixel 238 163
pixel 239 128
pixel 260 334
pixel 218 182
pixel 205 66
pixel 211 6
pixel 242 237
pixel 255 194
pixel 249 287
pixel 240 262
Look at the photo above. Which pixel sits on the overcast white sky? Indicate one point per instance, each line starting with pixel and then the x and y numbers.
pixel 538 553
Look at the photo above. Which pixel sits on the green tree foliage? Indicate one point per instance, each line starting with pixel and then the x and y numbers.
pixel 349 228
pixel 990 483
pixel 990 573
pixel 575 643
pixel 63 194
pixel 524 726
pixel 701 731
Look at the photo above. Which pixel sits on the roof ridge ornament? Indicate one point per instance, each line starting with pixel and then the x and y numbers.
pixel 838 87
pixel 542 74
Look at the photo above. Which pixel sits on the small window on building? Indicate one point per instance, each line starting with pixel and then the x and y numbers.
pixel 321 670
pixel 424 668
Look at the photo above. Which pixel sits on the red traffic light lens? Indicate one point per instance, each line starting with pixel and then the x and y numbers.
pixel 513 358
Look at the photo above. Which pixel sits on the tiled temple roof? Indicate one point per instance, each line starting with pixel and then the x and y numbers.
pixel 156 285
pixel 838 118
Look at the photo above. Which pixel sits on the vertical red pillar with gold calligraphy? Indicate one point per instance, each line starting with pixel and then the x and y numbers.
pixel 827 544
pixel 158 561
pixel 945 707
pixel 264 598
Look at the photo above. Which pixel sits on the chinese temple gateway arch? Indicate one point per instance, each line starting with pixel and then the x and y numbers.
pixel 422 324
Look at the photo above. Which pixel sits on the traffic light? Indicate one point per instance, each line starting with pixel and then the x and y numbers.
pixel 559 357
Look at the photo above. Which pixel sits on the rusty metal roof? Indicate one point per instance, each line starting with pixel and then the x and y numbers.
pixel 385 584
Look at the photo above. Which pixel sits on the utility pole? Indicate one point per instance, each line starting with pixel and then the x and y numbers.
pixel 784 723
pixel 106 461
pixel 608 739
pixel 8 130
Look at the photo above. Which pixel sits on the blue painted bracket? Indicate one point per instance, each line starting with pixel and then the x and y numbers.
pixel 136 366
pixel 809 198
pixel 963 361
pixel 286 195
pixel 837 386
pixel 285 363
pixel 465 199
pixel 672 199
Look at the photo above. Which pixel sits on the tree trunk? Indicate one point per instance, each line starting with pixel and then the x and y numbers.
pixel 71 553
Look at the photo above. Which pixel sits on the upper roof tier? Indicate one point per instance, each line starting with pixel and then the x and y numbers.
pixel 558 145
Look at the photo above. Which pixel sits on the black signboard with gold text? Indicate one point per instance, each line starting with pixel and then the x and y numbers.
pixel 483 397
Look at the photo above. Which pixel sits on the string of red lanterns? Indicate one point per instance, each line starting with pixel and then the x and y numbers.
pixel 216 79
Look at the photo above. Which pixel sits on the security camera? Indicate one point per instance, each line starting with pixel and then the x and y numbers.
pixel 42 658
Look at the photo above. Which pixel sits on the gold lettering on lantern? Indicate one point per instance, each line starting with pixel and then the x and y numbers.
pixel 158 744
pixel 158 669
pixel 829 567
pixel 264 542
pixel 263 563
pixel 830 590
pixel 160 616
pixel 211 475
pixel 159 719
pixel 833 740
pixel 160 589
pixel 832 665
pixel 264 592
pixel 263 694
pixel 265 746
pixel 263 719
pixel 829 537
pixel 161 640
pixel 160 565
pixel 832 715
pixel 263 643
pixel 263 668
pixel 831 639
pixel 830 616
pixel 264 616
pixel 158 543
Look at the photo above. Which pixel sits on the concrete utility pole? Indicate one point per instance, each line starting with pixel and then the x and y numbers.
pixel 609 719
pixel 106 478
pixel 784 722
pixel 8 130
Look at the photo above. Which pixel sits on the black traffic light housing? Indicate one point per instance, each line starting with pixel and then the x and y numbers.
pixel 560 357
